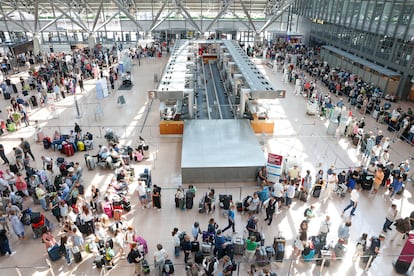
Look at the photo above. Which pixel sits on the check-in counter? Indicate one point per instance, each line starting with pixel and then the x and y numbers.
pixel 171 127
pixel 262 126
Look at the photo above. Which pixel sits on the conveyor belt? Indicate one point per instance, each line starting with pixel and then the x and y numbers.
pixel 211 95
pixel 225 107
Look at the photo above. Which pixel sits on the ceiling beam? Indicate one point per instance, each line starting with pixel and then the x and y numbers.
pixel 219 15
pixel 6 16
pixel 50 23
pixel 162 20
pixel 277 14
pixel 23 20
pixel 70 17
pixel 187 15
pixel 97 15
pixel 36 15
pixel 154 22
pixel 129 15
pixel 106 21
pixel 242 21
pixel 248 16
pixel 10 12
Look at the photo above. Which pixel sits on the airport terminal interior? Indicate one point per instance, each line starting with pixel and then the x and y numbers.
pixel 152 99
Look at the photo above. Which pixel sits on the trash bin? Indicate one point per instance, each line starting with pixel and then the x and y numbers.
pixel 333 125
pixel 312 107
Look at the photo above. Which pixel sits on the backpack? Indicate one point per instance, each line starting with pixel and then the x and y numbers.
pixel 181 237
pixel 132 255
pixel 305 214
pixel 247 200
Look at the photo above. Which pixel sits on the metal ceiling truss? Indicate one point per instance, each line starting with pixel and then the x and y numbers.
pixel 162 20
pixel 106 22
pixel 50 23
pixel 286 4
pixel 128 14
pixel 187 15
pixel 83 27
pixel 154 22
pixel 246 12
pixel 97 15
pixel 248 26
pixel 219 15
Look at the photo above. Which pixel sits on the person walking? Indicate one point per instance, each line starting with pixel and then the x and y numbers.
pixel 353 203
pixel 230 218
pixel 25 145
pixel 3 155
pixel 135 257
pixel 374 248
pixel 270 209
pixel 324 229
pixel 391 215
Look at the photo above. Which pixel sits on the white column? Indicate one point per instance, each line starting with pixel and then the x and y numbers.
pixel 91 41
pixel 36 44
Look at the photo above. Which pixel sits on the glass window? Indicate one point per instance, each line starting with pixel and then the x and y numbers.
pixel 376 16
pixel 361 16
pixel 395 15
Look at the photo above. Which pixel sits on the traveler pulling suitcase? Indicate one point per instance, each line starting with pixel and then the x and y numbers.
pixel 238 244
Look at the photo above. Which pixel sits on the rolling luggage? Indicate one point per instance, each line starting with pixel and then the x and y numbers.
pixel 339 250
pixel 47 143
pixel 206 248
pixel 168 267
pixel 261 257
pixel 13 168
pixel 303 196
pixel 198 257
pixel 195 246
pixel 189 200
pixel 90 162
pixel 239 206
pixel 6 96
pixel 53 253
pixel 270 251
pixel 316 192
pixel 11 127
pixel 401 267
pixel 367 182
pixel 81 146
pixel 117 214
pixel 201 206
pixel 238 244
pixel 145 267
pixel 68 150
pixel 126 205
pixel 108 209
pixel 76 254
pixel 355 140
pixel 279 247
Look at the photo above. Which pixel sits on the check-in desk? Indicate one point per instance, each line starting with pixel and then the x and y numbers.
pixel 171 127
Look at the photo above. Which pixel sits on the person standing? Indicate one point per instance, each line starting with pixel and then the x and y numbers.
pixel 324 229
pixel 307 182
pixel 391 215
pixel 360 247
pixel 17 225
pixel 270 209
pixel 374 248
pixel 156 197
pixel 396 186
pixel 3 155
pixel 186 246
pixel 4 243
pixel 251 247
pixel 159 259
pixel 230 218
pixel 355 193
pixel 41 196
pixel 343 232
pixel 135 258
pixel 18 155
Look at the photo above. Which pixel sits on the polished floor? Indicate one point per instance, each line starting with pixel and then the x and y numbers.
pixel 296 135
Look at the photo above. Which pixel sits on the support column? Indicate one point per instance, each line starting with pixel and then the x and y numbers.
pixel 36 44
pixel 91 41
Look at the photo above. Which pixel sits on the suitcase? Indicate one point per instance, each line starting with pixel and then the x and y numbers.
pixel 13 168
pixel 99 261
pixel 108 210
pixel 261 257
pixel 81 146
pixel 195 246
pixel 168 267
pixel 33 99
pixel 279 247
pixel 6 96
pixel 189 202
pixel 198 257
pixel 90 162
pixel 339 250
pixel 15 88
pixel 367 182
pixel 76 254
pixel 46 143
pixel 303 196
pixel 11 127
pixel 401 267
pixel 117 214
pixel 270 251
pixel 206 248
pixel 68 150
pixel 355 140
pixel 145 267
pixel 225 201
pixel 238 244
pixel 239 206
pixel 88 144
pixel 201 206
pixel 126 205
pixel 316 192
pixel 53 253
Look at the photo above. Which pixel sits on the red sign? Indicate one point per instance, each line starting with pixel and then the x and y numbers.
pixel 274 159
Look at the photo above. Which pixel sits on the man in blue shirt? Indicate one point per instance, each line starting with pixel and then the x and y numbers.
pixel 230 218
pixel 396 186
pixel 219 244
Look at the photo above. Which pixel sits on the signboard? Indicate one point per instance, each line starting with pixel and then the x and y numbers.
pixel 274 166
pixel 407 253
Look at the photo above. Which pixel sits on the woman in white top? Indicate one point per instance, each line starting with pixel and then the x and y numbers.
pixel 87 217
pixel 330 185
pixel 159 259
pixel 130 236
pixel 119 241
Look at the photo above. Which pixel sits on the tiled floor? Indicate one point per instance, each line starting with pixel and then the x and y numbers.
pixel 296 134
